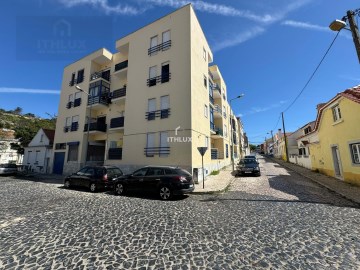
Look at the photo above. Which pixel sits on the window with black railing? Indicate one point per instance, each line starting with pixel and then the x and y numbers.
pixel 162 114
pixel 156 151
pixel 95 127
pixel 159 79
pixel 160 47
pixel 80 76
pixel 67 128
pixel 69 104
pixel 115 153
pixel 118 93
pixel 74 126
pixel 121 65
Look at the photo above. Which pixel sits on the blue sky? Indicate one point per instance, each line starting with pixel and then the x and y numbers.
pixel 264 49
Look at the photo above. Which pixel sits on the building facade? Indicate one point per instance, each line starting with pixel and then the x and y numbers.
pixel 154 101
pixel 7 154
pixel 38 153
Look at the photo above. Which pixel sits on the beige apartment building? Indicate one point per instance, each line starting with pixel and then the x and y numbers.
pixel 153 102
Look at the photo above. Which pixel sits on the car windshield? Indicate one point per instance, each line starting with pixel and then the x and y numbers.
pixel 247 161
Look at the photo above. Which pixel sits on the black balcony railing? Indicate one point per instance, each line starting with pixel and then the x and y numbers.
pixel 218 131
pixel 165 113
pixel 115 153
pixel 121 65
pixel 119 93
pixel 159 79
pixel 158 151
pixel 100 74
pixel 161 47
pixel 69 104
pixel 95 127
pixel 117 122
pixel 66 128
pixel 211 99
pixel 77 102
pixel 103 99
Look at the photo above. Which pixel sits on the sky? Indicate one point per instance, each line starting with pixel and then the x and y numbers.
pixel 266 50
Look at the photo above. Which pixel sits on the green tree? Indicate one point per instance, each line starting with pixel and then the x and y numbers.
pixel 252 147
pixel 18 110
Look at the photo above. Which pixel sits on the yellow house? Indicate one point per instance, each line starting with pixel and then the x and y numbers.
pixel 154 101
pixel 336 151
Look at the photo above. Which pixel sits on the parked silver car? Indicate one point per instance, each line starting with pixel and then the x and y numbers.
pixel 8 168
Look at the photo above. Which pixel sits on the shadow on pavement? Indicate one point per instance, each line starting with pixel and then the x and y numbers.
pixel 43 178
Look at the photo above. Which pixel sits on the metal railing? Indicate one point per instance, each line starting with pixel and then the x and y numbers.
pixel 165 113
pixel 103 99
pixel 211 99
pixel 100 74
pixel 161 47
pixel 77 102
pixel 121 65
pixel 158 151
pixel 118 93
pixel 163 78
pixel 117 122
pixel 95 127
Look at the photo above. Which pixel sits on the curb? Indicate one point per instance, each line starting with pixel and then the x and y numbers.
pixel 223 190
pixel 321 184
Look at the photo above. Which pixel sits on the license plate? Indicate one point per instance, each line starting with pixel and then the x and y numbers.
pixel 248 172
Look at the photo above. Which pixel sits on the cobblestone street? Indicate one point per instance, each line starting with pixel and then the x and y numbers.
pixel 279 220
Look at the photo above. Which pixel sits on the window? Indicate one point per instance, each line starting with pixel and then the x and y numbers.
pixel 37 154
pixel 205 81
pixel 227 150
pixel 152 75
pixel 336 113
pixel 94 91
pixel 204 54
pixel 141 172
pixel 74 123
pixel 164 106
pixel 155 171
pixel 302 151
pixel 59 146
pixel 41 137
pixel 67 124
pixel 80 76
pixel 225 130
pixel 206 141
pixel 206 111
pixel 71 98
pixel 150 144
pixel 307 130
pixel 166 40
pixel 355 152
pixel 72 82
pixel 73 152
pixel 77 95
pixel 77 100
pixel 153 43
pixel 151 109
pixel 164 144
pixel 165 72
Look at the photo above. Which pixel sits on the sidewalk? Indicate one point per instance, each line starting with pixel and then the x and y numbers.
pixel 345 189
pixel 215 183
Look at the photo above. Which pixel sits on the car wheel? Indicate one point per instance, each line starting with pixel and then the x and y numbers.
pixel 67 184
pixel 93 187
pixel 165 193
pixel 119 189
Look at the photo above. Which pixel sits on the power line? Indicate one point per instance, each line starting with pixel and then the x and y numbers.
pixel 312 75
pixel 277 122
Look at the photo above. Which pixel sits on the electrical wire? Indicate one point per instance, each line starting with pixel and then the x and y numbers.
pixel 312 75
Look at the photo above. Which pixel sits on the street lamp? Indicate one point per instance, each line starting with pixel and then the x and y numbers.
pixel 231 135
pixel 338 25
pixel 88 123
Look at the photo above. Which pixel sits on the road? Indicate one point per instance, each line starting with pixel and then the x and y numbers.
pixel 279 220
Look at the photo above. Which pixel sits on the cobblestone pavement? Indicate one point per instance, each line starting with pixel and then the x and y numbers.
pixel 277 221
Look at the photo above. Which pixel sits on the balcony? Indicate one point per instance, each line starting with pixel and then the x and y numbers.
pixel 216 91
pixel 115 153
pixel 99 101
pixel 217 111
pixel 121 66
pixel 159 79
pixel 103 74
pixel 117 123
pixel 216 132
pixel 94 127
pixel 118 94
pixel 162 114
pixel 161 47
pixel 156 151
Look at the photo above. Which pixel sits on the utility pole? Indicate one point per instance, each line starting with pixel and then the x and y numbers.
pixel 286 146
pixel 355 31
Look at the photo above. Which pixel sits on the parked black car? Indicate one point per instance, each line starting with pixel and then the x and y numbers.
pixel 249 166
pixel 8 168
pixel 94 177
pixel 166 181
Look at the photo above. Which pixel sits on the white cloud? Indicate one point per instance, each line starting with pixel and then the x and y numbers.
pixel 123 9
pixel 238 39
pixel 28 91
pixel 310 26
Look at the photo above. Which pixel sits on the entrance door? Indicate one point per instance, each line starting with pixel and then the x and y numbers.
pixel 337 163
pixel 59 158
